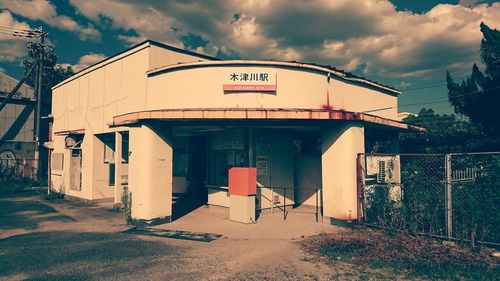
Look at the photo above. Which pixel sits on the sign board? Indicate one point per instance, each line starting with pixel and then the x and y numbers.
pixel 249 80
pixel 262 165
pixel 230 139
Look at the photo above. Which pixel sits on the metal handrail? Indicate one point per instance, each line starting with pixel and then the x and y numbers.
pixel 285 212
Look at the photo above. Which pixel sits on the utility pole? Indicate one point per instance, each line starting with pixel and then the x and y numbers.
pixel 39 87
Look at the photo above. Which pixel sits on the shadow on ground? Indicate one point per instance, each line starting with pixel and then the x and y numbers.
pixel 27 214
pixel 185 204
pixel 83 256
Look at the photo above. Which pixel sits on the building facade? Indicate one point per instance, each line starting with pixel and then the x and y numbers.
pixel 164 121
pixel 17 146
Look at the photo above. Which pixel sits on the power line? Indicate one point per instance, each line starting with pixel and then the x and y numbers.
pixel 18 29
pixel 20 32
pixel 428 102
pixel 15 34
pixel 433 84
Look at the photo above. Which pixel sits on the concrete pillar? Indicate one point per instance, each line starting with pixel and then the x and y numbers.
pixel 150 174
pixel 340 145
pixel 118 169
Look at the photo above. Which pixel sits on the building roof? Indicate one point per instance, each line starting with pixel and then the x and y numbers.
pixel 132 49
pixel 257 114
pixel 348 76
pixel 7 84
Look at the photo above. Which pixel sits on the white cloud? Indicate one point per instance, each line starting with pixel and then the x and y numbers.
pixel 85 61
pixel 470 3
pixel 403 85
pixel 11 48
pixel 367 35
pixel 46 12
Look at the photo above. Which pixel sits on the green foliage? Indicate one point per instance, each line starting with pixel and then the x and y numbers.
pixel 52 72
pixel 127 204
pixel 475 203
pixel 444 134
pixel 54 194
pixel 478 96
pixel 422 209
pixel 10 181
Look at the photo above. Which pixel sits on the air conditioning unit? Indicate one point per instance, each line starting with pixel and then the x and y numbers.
pixel 389 169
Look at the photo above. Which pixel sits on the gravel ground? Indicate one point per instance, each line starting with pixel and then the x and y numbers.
pixel 65 240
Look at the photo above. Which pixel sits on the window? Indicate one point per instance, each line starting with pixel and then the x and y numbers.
pixel 381 172
pixel 111 177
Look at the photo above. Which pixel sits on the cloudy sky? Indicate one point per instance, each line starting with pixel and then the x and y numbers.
pixel 407 44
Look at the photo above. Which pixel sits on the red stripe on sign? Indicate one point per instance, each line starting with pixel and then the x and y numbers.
pixel 249 88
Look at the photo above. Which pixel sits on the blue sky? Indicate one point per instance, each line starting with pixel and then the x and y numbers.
pixel 407 44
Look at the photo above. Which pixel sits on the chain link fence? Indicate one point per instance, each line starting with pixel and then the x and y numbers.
pixel 454 196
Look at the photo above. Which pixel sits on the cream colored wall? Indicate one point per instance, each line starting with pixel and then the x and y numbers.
pixel 218 197
pixel 100 171
pixel 57 176
pixel 341 143
pixel 354 98
pixel 92 98
pixel 61 178
pixel 150 172
pixel 277 146
pixel 307 177
pixel 90 101
pixel 202 88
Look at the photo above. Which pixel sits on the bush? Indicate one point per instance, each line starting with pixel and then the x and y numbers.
pixel 12 182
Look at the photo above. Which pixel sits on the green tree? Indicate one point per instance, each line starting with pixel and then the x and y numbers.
pixel 478 96
pixel 445 133
pixel 52 72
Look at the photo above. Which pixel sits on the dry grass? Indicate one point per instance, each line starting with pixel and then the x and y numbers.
pixel 403 256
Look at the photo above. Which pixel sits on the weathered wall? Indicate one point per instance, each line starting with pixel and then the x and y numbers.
pixel 90 99
pixel 341 142
pixel 202 88
pixel 150 172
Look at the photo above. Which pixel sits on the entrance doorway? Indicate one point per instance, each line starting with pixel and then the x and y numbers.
pixel 197 167
pixel 195 193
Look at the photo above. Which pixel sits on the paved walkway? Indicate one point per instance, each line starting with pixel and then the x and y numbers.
pixel 300 222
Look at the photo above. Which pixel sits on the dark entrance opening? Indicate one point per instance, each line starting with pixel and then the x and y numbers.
pixel 197 168
pixel 196 178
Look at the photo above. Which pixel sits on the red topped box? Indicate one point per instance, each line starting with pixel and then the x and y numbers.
pixel 242 181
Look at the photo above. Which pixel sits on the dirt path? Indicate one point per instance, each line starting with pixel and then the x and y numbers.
pixel 63 240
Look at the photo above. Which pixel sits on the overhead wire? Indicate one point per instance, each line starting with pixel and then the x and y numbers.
pixel 18 29
pixel 19 32
pixel 439 100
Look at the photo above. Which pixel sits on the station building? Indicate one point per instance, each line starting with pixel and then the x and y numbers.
pixel 169 123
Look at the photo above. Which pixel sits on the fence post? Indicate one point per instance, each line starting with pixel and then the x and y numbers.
pixel 449 217
pixel 359 189
pixel 284 204
pixel 317 205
